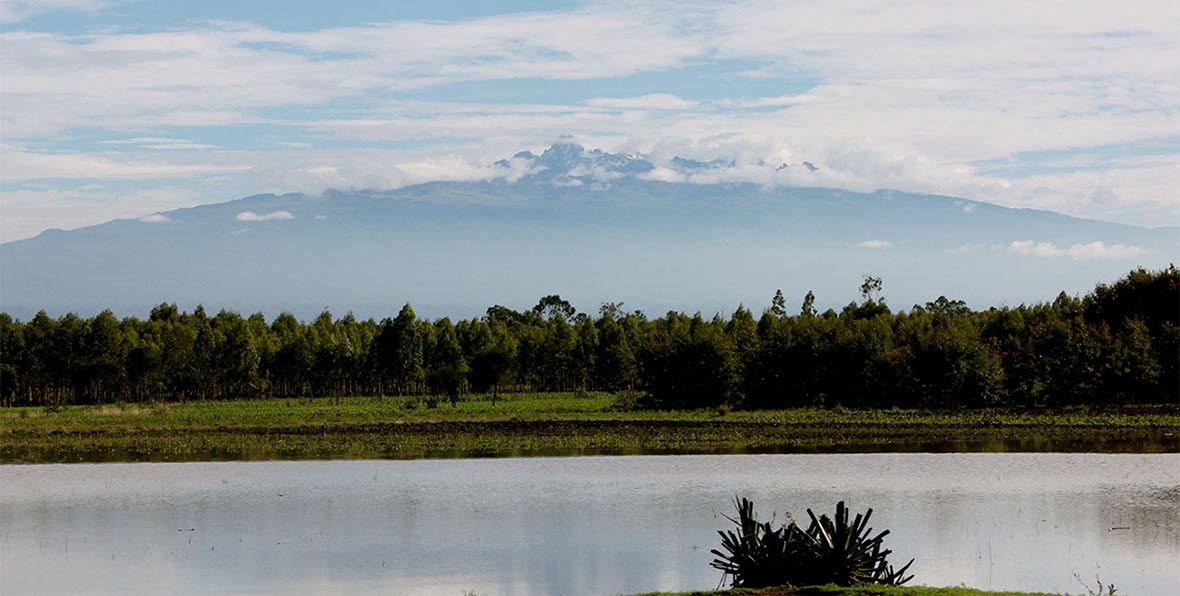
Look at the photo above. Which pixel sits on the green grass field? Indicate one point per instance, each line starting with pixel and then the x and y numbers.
pixel 544 424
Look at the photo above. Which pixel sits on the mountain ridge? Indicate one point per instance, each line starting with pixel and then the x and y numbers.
pixel 593 226
pixel 568 161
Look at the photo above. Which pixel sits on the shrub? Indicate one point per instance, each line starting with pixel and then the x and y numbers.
pixel 629 400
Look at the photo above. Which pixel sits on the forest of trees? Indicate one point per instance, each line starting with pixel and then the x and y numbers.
pixel 1119 344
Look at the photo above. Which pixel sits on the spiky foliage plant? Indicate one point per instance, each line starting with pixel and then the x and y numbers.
pixel 831 550
pixel 846 553
pixel 758 555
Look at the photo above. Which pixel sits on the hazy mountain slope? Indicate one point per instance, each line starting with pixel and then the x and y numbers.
pixel 587 225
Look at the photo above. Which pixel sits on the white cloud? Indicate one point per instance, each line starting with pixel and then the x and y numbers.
pixel 524 125
pixel 1080 252
pixel 20 164
pixel 967 206
pixel 914 50
pixel 14 11
pixel 766 102
pixel 448 167
pixel 653 101
pixel 958 89
pixel 273 216
pixel 1099 250
pixel 1146 194
pixel 314 180
pixel 293 144
pixel 1038 249
pixel 156 218
pixel 375 171
pixel 161 143
pixel 663 174
pixel 975 247
pixel 875 244
pixel 57 82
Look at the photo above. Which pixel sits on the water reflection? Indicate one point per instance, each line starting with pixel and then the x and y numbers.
pixel 595 525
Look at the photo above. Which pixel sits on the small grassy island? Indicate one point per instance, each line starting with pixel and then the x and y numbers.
pixel 833 590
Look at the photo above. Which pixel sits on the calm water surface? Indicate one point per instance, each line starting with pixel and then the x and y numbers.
pixel 593 525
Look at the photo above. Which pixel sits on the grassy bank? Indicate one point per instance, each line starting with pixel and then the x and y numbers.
pixel 854 591
pixel 545 424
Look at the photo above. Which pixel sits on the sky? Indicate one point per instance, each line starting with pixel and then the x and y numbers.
pixel 121 108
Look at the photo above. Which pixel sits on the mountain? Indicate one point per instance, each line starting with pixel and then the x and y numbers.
pixel 590 225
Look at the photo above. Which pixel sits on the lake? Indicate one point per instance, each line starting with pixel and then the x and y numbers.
pixel 586 525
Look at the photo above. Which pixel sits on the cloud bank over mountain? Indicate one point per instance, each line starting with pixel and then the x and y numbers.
pixel 591 225
pixel 120 109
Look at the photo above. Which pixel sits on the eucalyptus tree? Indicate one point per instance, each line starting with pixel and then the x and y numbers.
pixel 398 353
pixel 552 306
pixel 617 365
pixel 446 366
pixel 12 349
pixel 689 363
pixel 100 374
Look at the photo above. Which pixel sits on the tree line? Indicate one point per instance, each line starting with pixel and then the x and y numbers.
pixel 1118 344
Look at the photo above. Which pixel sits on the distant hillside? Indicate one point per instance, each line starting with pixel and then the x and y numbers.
pixel 593 226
